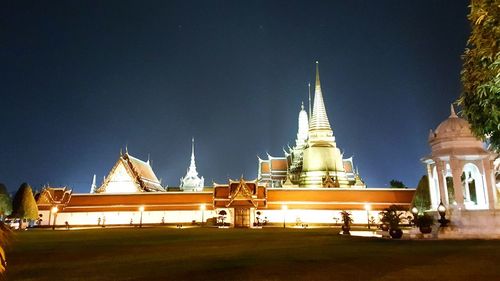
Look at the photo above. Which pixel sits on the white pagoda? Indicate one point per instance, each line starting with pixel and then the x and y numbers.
pixel 192 182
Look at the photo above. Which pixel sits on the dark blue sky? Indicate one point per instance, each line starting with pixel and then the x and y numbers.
pixel 82 79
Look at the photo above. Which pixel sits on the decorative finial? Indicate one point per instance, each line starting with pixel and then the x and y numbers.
pixel 302 106
pixel 317 83
pixel 309 91
pixel 453 114
pixel 126 148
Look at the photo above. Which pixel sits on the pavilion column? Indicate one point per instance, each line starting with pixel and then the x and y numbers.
pixel 489 184
pixel 456 170
pixel 442 190
pixel 432 187
pixel 481 187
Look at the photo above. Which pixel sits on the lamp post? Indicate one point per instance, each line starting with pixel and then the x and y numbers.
pixel 141 209
pixel 414 211
pixel 284 208
pixel 368 208
pixel 442 212
pixel 202 208
pixel 54 211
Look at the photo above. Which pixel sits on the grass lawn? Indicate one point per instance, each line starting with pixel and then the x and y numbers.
pixel 243 254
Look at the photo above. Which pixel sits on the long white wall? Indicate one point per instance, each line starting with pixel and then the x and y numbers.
pixel 291 216
pixel 114 218
pixel 315 216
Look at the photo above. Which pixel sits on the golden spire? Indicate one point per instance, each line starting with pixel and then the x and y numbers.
pixel 319 119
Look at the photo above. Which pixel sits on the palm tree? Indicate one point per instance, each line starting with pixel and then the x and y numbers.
pixel 222 216
pixel 347 220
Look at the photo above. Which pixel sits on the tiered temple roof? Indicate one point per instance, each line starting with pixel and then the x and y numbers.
pixel 130 174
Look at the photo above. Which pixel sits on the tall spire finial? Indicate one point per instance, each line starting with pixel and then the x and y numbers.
pixel 192 148
pixel 309 90
pixel 319 119
pixel 452 112
pixel 302 106
pixel 317 83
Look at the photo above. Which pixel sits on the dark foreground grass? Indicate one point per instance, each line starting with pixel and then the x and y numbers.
pixel 243 254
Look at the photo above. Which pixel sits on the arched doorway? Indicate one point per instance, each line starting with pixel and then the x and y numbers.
pixel 473 187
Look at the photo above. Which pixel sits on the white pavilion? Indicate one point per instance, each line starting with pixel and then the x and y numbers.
pixel 462 176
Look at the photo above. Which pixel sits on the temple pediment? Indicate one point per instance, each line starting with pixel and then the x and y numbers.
pixel 239 194
pixel 130 175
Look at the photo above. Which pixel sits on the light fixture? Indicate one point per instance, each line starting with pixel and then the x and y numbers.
pixel 414 211
pixel 442 213
pixel 368 207
pixel 202 208
pixel 141 209
pixel 284 208
pixel 54 211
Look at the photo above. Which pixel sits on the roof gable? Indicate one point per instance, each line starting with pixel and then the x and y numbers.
pixel 120 179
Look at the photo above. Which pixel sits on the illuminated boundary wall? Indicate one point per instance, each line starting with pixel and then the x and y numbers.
pixel 124 217
pixel 291 217
pixel 294 206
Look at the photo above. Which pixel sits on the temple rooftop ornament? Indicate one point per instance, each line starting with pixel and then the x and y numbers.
pixel 315 155
pixel 322 153
pixel 191 182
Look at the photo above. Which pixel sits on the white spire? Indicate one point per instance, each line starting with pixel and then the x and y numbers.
pixel 192 166
pixel 319 119
pixel 93 187
pixel 303 128
pixel 191 182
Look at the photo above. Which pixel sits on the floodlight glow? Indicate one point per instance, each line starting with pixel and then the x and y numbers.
pixel 203 207
pixel 368 207
pixel 141 208
pixel 54 210
pixel 441 208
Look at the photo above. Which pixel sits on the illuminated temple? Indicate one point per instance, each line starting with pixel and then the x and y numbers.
pixel 311 183
pixel 315 160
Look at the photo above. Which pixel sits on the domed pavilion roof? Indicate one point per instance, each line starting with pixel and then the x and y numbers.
pixel 453 127
pixel 452 134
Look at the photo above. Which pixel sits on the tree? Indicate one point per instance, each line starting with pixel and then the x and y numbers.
pixel 24 205
pixel 222 216
pixel 397 184
pixel 5 237
pixel 346 222
pixel 5 202
pixel 422 197
pixel 480 98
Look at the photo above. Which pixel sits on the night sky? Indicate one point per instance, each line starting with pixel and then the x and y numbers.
pixel 82 79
